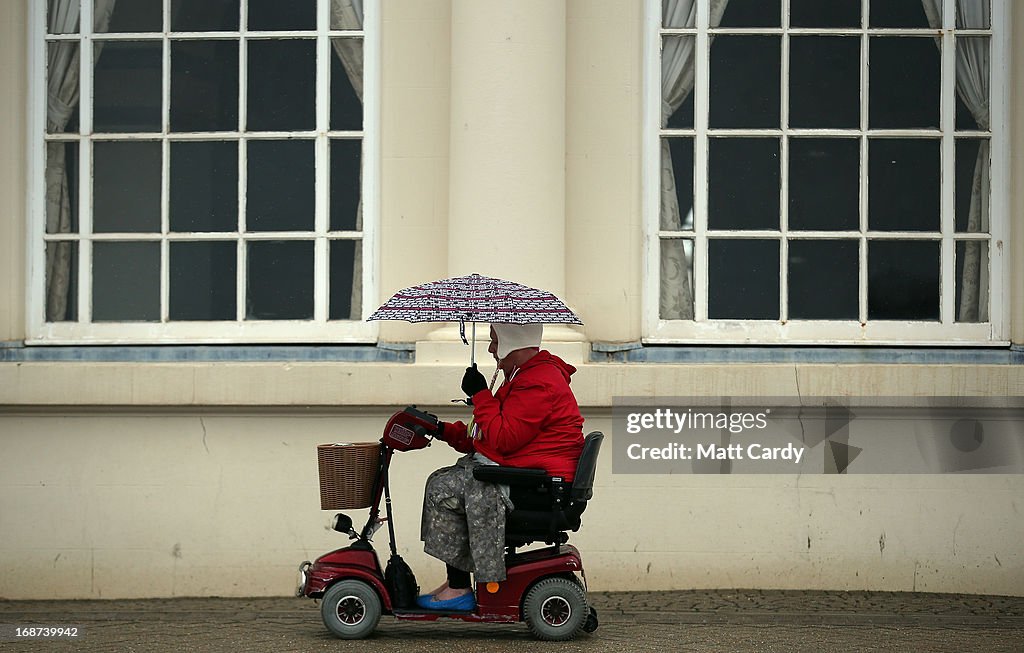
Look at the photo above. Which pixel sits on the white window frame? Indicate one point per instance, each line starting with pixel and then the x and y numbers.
pixel 821 332
pixel 319 329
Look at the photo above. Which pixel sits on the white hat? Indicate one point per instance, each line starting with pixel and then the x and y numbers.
pixel 517 336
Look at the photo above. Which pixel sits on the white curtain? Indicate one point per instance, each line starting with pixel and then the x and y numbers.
pixel 973 71
pixel 677 79
pixel 62 73
pixel 348 14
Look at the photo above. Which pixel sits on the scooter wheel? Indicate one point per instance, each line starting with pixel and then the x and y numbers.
pixel 350 609
pixel 555 609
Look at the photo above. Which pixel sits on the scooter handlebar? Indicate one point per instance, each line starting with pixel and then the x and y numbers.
pixel 411 429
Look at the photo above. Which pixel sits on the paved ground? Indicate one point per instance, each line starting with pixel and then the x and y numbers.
pixel 656 621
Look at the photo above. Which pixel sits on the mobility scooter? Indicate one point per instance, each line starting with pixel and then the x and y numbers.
pixel 545 587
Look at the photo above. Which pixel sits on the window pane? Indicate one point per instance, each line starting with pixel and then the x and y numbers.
pixel 677 14
pixel 823 278
pixel 62 16
pixel 61 281
pixel 972 70
pixel 903 280
pixel 833 13
pixel 675 301
pixel 277 15
pixel 346 180
pixel 346 275
pixel 744 81
pixel 204 15
pixel 743 183
pixel 204 86
pixel 903 83
pixel 62 64
pixel 973 14
pixel 282 85
pixel 677 184
pixel 824 183
pixel 202 276
pixel 62 188
pixel 204 186
pixel 972 185
pixel 900 13
pixel 126 186
pixel 136 16
pixel 280 280
pixel 126 95
pixel 824 83
pixel 972 281
pixel 279 192
pixel 964 119
pixel 752 13
pixel 346 84
pixel 903 184
pixel 125 282
pixel 344 14
pixel 743 279
pixel 677 77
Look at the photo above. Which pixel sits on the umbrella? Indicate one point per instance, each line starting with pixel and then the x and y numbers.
pixel 475 298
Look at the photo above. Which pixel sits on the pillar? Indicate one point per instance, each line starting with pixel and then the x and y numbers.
pixel 507 153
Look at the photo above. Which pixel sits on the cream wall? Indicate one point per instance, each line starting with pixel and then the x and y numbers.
pixel 226 503
pixel 13 46
pixel 1016 66
pixel 604 244
pixel 191 499
pixel 170 479
pixel 415 90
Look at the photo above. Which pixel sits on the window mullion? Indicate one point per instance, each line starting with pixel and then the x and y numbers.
pixel 240 281
pixel 322 172
pixel 85 85
pixel 702 55
pixel 784 170
pixel 165 180
pixel 862 284
pixel 241 291
pixel 165 184
pixel 947 86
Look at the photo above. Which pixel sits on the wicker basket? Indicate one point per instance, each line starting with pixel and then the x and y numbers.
pixel 347 472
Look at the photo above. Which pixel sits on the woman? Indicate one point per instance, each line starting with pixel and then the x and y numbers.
pixel 531 421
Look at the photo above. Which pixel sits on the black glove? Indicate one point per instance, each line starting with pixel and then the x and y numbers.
pixel 473 381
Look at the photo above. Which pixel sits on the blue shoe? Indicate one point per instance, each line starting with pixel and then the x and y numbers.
pixel 459 603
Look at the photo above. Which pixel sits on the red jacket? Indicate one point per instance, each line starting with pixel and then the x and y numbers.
pixel 533 421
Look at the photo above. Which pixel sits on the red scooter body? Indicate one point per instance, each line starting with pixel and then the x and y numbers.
pixel 353 581
pixel 503 605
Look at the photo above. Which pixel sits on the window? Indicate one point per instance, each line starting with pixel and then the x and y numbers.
pixel 204 170
pixel 827 172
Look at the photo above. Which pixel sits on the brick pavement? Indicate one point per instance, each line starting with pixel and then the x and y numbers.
pixel 734 620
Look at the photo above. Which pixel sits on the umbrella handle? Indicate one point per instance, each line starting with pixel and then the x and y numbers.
pixel 473 429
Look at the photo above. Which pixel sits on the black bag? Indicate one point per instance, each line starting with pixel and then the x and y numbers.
pixel 401 583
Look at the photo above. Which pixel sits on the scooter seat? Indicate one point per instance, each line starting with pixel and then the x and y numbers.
pixel 545 506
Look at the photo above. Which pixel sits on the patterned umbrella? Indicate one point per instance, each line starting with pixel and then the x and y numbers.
pixel 473 299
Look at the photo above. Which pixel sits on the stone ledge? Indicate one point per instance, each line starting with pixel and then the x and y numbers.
pixel 336 384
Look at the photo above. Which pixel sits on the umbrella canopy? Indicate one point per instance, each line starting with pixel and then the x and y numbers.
pixel 475 298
